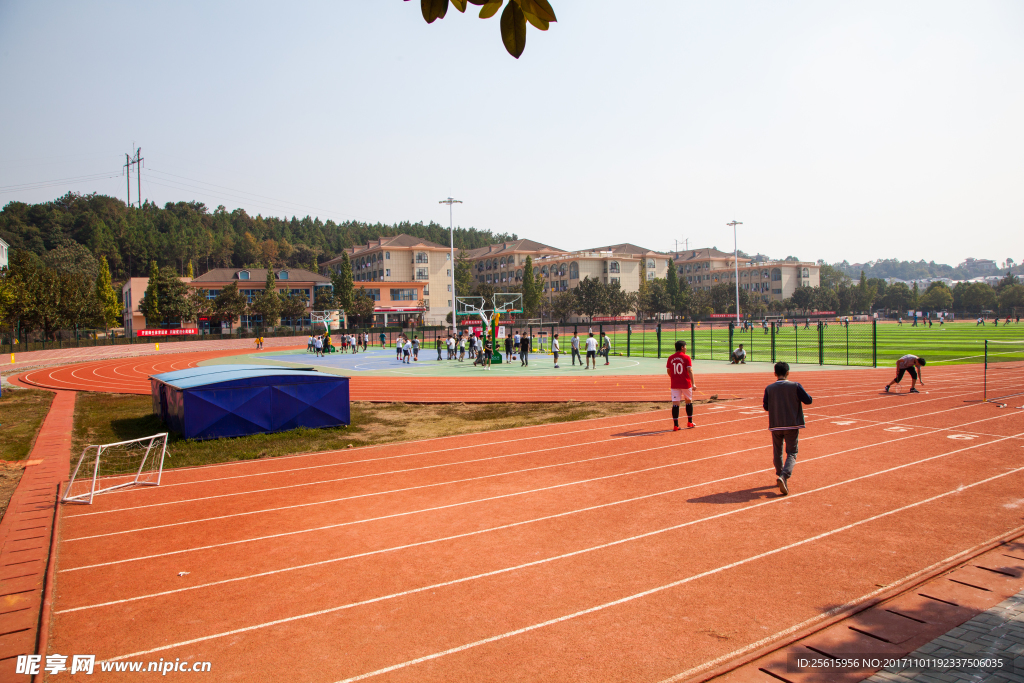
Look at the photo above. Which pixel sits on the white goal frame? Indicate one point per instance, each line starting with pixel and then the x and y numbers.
pixel 324 318
pixel 97 482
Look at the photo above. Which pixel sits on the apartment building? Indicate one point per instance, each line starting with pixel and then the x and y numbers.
pixel 251 281
pixel 5 256
pixel 410 278
pixel 769 280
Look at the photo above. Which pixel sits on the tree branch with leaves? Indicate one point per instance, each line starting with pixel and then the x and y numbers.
pixel 513 22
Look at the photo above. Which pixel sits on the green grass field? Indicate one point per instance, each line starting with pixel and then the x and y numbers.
pixel 959 342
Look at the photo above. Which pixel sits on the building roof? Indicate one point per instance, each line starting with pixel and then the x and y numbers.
pixel 4 243
pixel 513 247
pixel 625 248
pixel 259 275
pixel 700 254
pixel 394 242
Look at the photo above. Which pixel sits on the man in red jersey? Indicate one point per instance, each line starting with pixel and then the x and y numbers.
pixel 680 372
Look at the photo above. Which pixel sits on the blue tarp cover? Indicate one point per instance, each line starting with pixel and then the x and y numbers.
pixel 235 400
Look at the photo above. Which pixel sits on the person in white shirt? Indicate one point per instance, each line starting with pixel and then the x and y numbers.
pixel 738 356
pixel 591 350
pixel 318 346
pixel 451 347
pixel 554 348
pixel 406 351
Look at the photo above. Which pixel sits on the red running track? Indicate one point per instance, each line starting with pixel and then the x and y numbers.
pixel 602 550
pixel 131 376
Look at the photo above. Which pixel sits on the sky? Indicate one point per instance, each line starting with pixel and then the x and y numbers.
pixel 831 130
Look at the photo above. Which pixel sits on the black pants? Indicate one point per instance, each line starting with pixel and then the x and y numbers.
pixel 576 356
pixel 525 357
pixel 789 436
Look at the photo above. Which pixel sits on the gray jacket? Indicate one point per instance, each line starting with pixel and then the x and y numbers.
pixel 784 401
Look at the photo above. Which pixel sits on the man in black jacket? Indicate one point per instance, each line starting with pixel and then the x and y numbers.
pixel 785 401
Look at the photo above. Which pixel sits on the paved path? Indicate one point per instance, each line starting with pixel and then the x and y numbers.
pixel 25 537
pixel 998 632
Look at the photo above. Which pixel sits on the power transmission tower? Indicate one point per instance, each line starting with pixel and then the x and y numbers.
pixel 129 162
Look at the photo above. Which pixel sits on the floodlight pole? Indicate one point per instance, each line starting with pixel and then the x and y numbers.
pixel 736 265
pixel 451 234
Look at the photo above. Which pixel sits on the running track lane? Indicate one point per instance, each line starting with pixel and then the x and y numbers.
pixel 131 376
pixel 665 568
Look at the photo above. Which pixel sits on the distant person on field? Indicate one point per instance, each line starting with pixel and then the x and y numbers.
pixel 524 351
pixel 738 356
pixel 383 340
pixel 606 347
pixel 574 345
pixel 508 347
pixel 310 346
pixel 591 350
pixel 680 374
pixel 909 364
pixel 407 351
pixel 784 401
pixel 415 348
pixel 554 348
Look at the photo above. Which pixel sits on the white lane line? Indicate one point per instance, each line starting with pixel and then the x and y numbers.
pixel 503 496
pixel 393 457
pixel 478 478
pixel 597 608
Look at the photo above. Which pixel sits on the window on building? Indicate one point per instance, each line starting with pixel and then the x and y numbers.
pixel 487 264
pixel 403 295
pixel 764 273
pixel 421 257
pixel 426 290
pixel 449 288
pixel 544 271
pixel 776 291
pixel 807 272
pixel 426 304
pixel 488 277
pixel 776 274
pixel 650 263
pixel 387 272
pixel 243 275
pixel 614 280
pixel 449 303
pixel 422 273
pixel 613 267
pixel 447 256
pixel 211 294
pixel 249 294
pixel 449 273
pixel 283 275
pixel 372 293
pixel 519 275
pixel 574 271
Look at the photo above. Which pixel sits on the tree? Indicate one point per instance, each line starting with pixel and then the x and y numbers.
pixel 831 278
pixel 937 297
pixel 513 20
pixel 897 297
pixel 700 303
pixel 229 304
pixel 591 297
pixel 641 294
pixel 293 306
pixel 149 306
pixel 71 257
pixel 978 297
pixel 190 274
pixel 658 299
pixel 362 307
pixel 323 299
pixel 531 292
pixel 267 304
pixel 865 294
pixel 463 273
pixel 672 286
pixel 802 298
pixel 1011 300
pixel 108 302
pixel 342 281
pixel 620 302
pixel 564 305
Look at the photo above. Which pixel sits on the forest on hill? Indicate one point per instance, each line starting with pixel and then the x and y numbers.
pixel 130 238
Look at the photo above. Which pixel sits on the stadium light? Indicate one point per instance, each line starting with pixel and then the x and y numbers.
pixel 736 265
pixel 451 234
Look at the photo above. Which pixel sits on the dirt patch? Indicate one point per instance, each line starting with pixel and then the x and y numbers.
pixel 21 414
pixel 10 475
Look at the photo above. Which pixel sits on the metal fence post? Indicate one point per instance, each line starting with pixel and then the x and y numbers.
pixel 773 341
pixel 821 344
pixel 693 339
pixel 659 340
pixel 730 338
pixel 629 333
pixel 874 343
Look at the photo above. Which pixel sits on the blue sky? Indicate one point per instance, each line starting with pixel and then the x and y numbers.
pixel 831 130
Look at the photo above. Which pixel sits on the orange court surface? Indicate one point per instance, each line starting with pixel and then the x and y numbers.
pixel 610 549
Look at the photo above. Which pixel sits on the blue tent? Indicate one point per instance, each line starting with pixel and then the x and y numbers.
pixel 235 400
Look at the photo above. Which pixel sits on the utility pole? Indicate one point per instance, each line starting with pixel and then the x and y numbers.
pixel 451 233
pixel 129 162
pixel 736 265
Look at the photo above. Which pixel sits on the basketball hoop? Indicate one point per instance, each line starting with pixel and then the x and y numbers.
pixel 322 317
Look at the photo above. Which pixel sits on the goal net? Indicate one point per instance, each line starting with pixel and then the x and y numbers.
pixel 107 467
pixel 1004 370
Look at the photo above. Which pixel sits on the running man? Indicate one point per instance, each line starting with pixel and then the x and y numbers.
pixel 910 364
pixel 591 350
pixel 784 401
pixel 554 348
pixel 680 373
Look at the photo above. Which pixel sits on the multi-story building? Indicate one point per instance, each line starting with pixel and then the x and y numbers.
pixel 250 281
pixel 501 265
pixel 769 280
pixel 979 265
pixel 4 254
pixel 416 271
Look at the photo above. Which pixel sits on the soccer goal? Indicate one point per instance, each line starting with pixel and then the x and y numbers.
pixel 108 467
pixel 1004 370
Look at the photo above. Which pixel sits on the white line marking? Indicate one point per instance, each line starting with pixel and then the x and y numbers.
pixel 603 606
